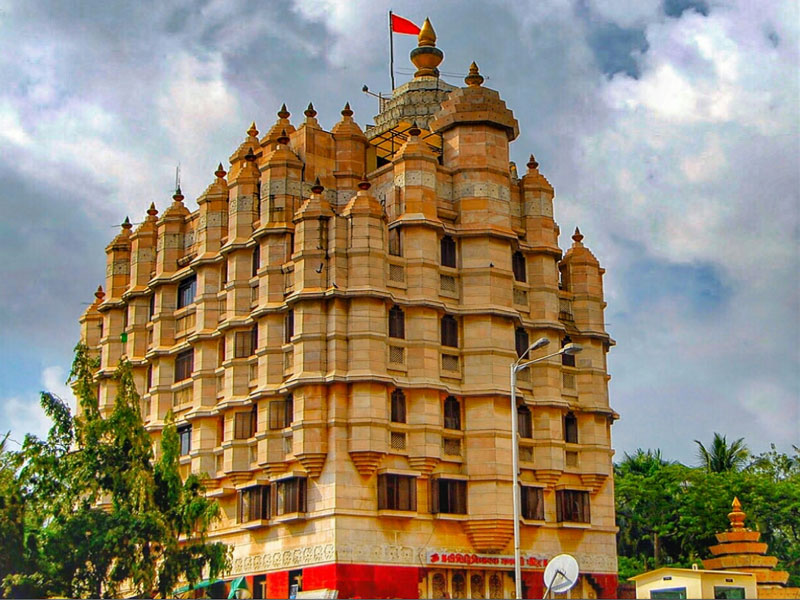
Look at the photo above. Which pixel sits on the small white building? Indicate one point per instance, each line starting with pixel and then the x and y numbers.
pixel 671 582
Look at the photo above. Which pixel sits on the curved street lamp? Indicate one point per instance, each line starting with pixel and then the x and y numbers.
pixel 516 367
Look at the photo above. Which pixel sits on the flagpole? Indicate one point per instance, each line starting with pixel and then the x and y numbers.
pixel 391 49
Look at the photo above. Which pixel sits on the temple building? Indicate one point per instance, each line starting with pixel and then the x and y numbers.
pixel 333 328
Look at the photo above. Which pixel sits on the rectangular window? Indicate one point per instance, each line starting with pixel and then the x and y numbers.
pixel 449 496
pixel 290 496
pixel 281 413
pixel 532 503
pixel 728 592
pixel 397 492
pixel 678 592
pixel 397 323
pixel 256 261
pixel 149 377
pixel 185 439
pixel 184 365
pixel 521 341
pixel 573 506
pixel 570 428
pixel 518 266
pixel 151 307
pixel 288 327
pixel 395 247
pixel 398 407
pixel 253 504
pixel 244 424
pixel 245 342
pixel 186 291
pixel 448 251
pixel 449 331
pixel 524 422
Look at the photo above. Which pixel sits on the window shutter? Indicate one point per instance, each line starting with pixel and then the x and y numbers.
pixel 435 501
pixel 382 503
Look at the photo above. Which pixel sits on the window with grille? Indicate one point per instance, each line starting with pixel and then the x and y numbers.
pixel 253 504
pixel 397 322
pixel 397 355
pixel 521 341
pixel 448 249
pixel 532 503
pixel 568 360
pixel 245 342
pixel 526 453
pixel 524 422
pixel 185 439
pixel 570 429
pixel 151 307
pixel 397 440
pixel 256 264
pixel 184 365
pixel 452 413
pixel 449 331
pixel 398 407
pixel 447 283
pixel 520 296
pixel 448 496
pixel 290 496
pixel 572 505
pixel 244 424
pixel 288 327
pixel 281 413
pixel 518 266
pixel 396 273
pixel 395 247
pixel 449 362
pixel 571 458
pixel 397 492
pixel 451 446
pixel 186 291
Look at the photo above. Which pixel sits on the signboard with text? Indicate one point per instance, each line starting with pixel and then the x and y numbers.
pixel 466 559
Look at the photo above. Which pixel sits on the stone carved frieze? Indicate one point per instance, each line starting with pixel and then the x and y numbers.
pixel 286 559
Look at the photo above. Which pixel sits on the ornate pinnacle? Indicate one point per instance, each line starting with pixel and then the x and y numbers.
pixel 532 164
pixel 310 112
pixel 100 294
pixel 577 236
pixel 426 36
pixel 474 79
pixel 220 172
pixel 364 184
pixel 346 112
pixel 250 156
pixel 317 187
pixel 736 516
pixel 414 130
pixel 253 130
pixel 178 195
pixel 283 138
pixel 152 210
pixel 283 113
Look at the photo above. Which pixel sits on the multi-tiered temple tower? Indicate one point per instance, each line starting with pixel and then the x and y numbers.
pixel 333 328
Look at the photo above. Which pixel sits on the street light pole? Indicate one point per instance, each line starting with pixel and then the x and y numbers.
pixel 517 366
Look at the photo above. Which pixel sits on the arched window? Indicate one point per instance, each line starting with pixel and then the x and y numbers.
pixel 397 322
pixel 448 248
pixel 568 360
pixel 452 413
pixel 518 266
pixel 449 331
pixel 570 428
pixel 459 586
pixel 521 341
pixel 524 422
pixel 398 407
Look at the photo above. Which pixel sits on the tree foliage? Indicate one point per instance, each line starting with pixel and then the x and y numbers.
pixel 721 456
pixel 102 515
pixel 668 513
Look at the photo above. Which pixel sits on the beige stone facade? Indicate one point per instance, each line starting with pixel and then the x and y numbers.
pixel 333 329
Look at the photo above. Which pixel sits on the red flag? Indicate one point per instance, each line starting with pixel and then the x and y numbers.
pixel 401 25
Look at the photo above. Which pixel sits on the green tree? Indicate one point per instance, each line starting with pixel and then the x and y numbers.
pixel 721 456
pixel 105 516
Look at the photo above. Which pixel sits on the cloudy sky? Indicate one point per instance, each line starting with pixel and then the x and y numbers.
pixel 669 129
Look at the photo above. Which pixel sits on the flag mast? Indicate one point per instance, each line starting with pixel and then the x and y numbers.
pixel 391 49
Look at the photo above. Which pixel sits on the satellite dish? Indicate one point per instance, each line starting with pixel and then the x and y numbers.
pixel 561 574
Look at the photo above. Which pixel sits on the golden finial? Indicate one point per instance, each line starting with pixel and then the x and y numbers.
pixel 310 112
pixel 474 79
pixel 178 195
pixel 283 138
pixel 283 113
pixel 126 224
pixel 220 172
pixel 252 131
pixel 99 294
pixel 346 111
pixel 152 211
pixel 364 184
pixel 317 187
pixel 736 516
pixel 414 130
pixel 427 36
pixel 577 236
pixel 426 56
pixel 250 156
pixel 532 164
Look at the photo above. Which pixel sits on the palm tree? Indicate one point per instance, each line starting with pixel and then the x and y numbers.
pixel 723 457
pixel 642 462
